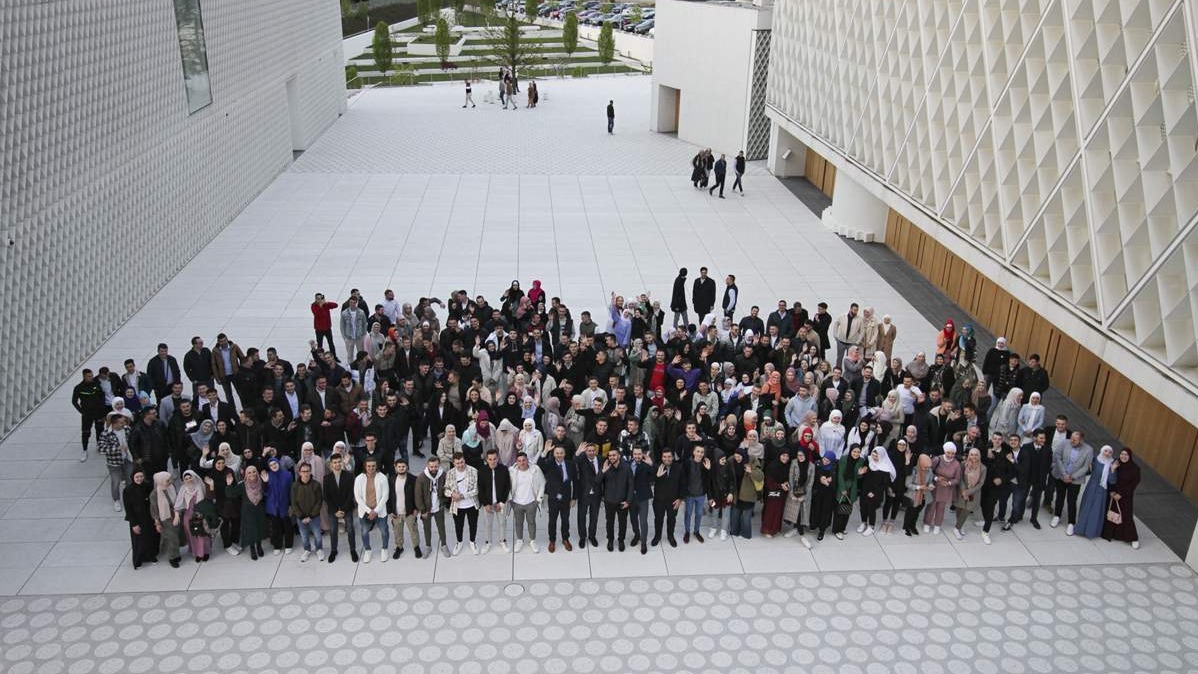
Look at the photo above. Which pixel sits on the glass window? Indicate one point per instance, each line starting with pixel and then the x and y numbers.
pixel 190 25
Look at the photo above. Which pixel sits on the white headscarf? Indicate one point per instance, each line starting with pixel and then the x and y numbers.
pixel 883 463
pixel 1106 456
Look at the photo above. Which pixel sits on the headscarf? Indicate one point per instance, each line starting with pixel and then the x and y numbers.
pixel 204 435
pixel 880 362
pixel 950 447
pixel 777 470
pixel 883 463
pixel 753 448
pixel 949 333
pixel 528 408
pixel 918 367
pixel 164 491
pixel 505 442
pixel 1106 456
pixel 481 424
pixel 253 485
pixel 186 494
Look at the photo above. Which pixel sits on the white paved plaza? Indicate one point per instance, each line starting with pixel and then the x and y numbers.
pixel 409 191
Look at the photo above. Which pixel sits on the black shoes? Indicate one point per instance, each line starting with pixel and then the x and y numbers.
pixel 332 556
pixel 644 548
pixel 621 546
pixel 397 553
pixel 353 556
pixel 656 540
pixel 686 538
pixel 698 537
pixel 419 554
pixel 582 542
pixel 673 543
pixel 175 562
pixel 1035 524
pixel 635 541
pixel 611 546
pixel 594 543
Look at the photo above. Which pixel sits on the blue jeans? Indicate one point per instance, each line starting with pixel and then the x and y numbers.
pixel 381 524
pixel 310 533
pixel 692 517
pixel 740 521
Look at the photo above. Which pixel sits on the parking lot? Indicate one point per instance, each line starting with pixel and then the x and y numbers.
pixel 624 16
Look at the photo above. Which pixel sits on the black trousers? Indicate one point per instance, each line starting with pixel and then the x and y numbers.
pixel 559 509
pixel 88 421
pixel 664 510
pixel 1067 497
pixel 326 335
pixel 890 506
pixel 463 516
pixel 588 516
pixel 719 182
pixel 911 518
pixel 227 385
pixel 990 499
pixel 615 512
pixel 736 184
pixel 869 509
pixel 282 532
pixel 145 545
pixel 230 530
pixel 1039 493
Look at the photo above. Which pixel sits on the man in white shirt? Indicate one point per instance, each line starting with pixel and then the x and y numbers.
pixel 403 509
pixel 370 494
pixel 908 395
pixel 528 487
pixel 391 307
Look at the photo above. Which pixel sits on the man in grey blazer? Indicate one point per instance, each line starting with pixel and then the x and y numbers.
pixel 1070 465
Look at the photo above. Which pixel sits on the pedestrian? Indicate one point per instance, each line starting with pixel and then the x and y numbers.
pixel 322 324
pixel 142 534
pixel 721 170
pixel 162 512
pixel 611 116
pixel 1120 520
pixel 678 299
pixel 88 400
pixel 469 98
pixel 739 166
pixel 697 170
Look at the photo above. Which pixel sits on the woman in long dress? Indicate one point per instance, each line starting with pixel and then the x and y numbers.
pixel 796 497
pixel 251 495
pixel 848 475
pixel 946 475
pixel 777 484
pixel 874 484
pixel 189 496
pixel 1092 512
pixel 162 510
pixel 823 494
pixel 1124 480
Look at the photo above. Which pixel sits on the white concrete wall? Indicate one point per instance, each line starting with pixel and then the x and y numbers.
pixel 109 185
pixel 705 50
pixel 855 212
pixel 630 45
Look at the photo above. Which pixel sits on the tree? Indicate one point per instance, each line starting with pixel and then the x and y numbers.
pixel 605 8
pixel 380 47
pixel 607 44
pixel 635 17
pixel 530 9
pixel 509 50
pixel 570 33
pixel 487 7
pixel 442 39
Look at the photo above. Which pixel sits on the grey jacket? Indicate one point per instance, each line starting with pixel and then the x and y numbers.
pixel 1081 466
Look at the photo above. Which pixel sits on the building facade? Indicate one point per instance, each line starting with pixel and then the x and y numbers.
pixel 131 133
pixel 1035 158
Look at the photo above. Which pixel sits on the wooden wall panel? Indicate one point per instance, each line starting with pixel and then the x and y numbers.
pixel 1189 484
pixel 829 179
pixel 1038 334
pixel 1019 327
pixel 1112 404
pixel 1085 378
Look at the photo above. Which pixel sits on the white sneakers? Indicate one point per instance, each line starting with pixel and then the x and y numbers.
pixel 723 535
pixel 519 545
pixel 473 547
pixel 83 456
pixel 383 557
pixel 806 543
pixel 320 554
pixel 869 531
pixel 304 557
pixel 958 534
pixel 366 557
pixel 839 536
pixel 986 537
pixel 1069 530
pixel 927 528
pixel 234 550
pixel 861 527
pixel 792 533
pixel 288 551
pixel 486 549
pixel 712 532
pixel 457 549
pixel 276 552
pixel 1055 521
pixel 1135 545
pixel 116 506
pixel 936 530
pixel 532 545
pixel 503 545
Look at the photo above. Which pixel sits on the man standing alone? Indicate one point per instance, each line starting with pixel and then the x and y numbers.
pixel 611 116
pixel 678 298
pixel 730 292
pixel 721 170
pixel 739 167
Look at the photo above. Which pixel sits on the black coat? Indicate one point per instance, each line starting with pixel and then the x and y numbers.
pixel 667 488
pixel 148 445
pixel 339 494
pixel 1039 464
pixel 678 297
pixel 157 369
pixel 616 482
pixel 557 489
pixel 502 481
pixel 588 477
pixel 642 480
pixel 703 295
pixel 198 366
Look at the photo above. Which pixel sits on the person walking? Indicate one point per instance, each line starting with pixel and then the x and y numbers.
pixel 738 165
pixel 721 170
pixel 678 298
pixel 469 98
pixel 611 116
pixel 88 400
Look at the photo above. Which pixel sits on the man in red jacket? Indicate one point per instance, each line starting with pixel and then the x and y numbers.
pixel 322 322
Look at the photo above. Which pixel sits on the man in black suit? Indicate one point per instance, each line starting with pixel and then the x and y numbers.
pixel 782 319
pixel 339 497
pixel 721 171
pixel 703 294
pixel 323 396
pixel 589 494
pixel 667 497
pixel 642 492
pixel 163 371
pixel 1039 474
pixel 218 410
pixel 615 479
pixel 197 363
pixel 561 478
pixel 1020 478
pixel 678 298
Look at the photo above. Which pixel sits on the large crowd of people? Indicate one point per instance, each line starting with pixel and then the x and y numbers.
pixel 485 417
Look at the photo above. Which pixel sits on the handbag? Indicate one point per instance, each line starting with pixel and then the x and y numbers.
pixel 1115 516
pixel 774 493
pixel 196 526
pixel 844 509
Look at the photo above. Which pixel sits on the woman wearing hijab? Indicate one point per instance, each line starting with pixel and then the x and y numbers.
pixel 823 494
pixel 967 346
pixel 873 486
pixel 719 493
pixel 799 480
pixel 142 534
pixel 973 476
pixel 1091 514
pixel 919 492
pixel 162 512
pixel 777 484
pixel 251 494
pixel 530 441
pixel 1006 417
pixel 552 417
pixel 200 439
pixel 946 475
pixel 227 507
pixel 903 460
pixel 1124 478
pixel 1031 417
pixel 918 367
pixel 449 444
pixel 946 341
pixel 480 437
pixel 507 442
pixel 278 504
pixel 862 433
pixel 190 504
pixel 748 481
pixel 752 448
pixel 832 434
pixel 852 364
pixel 849 472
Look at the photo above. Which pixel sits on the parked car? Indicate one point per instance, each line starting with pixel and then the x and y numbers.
pixel 644 27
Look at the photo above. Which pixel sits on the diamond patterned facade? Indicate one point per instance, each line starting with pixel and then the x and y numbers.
pixel 758 144
pixel 107 185
pixel 1058 134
